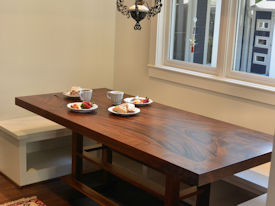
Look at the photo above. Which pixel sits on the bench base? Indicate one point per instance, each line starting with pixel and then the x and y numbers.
pixel 254 180
pixel 258 201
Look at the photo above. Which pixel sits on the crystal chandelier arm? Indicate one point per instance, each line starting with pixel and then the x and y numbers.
pixel 122 8
pixel 155 9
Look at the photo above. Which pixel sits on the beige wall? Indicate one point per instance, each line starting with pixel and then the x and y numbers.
pixel 131 75
pixel 49 45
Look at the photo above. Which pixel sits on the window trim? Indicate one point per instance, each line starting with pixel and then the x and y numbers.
pixel 246 86
pixel 225 86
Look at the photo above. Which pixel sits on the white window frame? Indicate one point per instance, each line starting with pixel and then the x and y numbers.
pixel 221 79
pixel 168 40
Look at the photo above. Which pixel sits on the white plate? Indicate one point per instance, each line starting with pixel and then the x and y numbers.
pixel 137 110
pixel 131 100
pixel 67 94
pixel 94 107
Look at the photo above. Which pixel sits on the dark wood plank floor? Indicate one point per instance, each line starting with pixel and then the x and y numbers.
pixel 52 193
pixel 55 192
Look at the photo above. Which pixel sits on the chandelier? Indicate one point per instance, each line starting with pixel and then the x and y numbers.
pixel 139 10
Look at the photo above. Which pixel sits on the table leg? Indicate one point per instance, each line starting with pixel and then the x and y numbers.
pixel 77 148
pixel 204 198
pixel 172 189
pixel 107 158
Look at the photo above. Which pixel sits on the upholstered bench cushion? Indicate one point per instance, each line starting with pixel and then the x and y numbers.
pixel 28 127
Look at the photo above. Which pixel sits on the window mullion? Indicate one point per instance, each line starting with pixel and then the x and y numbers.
pixel 226 39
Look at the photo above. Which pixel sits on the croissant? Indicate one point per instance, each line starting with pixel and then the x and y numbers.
pixel 124 108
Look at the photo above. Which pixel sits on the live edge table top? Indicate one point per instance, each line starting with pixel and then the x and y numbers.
pixel 196 149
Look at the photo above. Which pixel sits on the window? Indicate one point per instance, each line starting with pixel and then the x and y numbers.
pixel 262 24
pixel 259 59
pixel 254 52
pixel 214 43
pixel 262 42
pixel 194 31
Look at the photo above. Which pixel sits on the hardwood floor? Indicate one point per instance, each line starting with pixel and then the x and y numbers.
pixel 57 193
pixel 52 193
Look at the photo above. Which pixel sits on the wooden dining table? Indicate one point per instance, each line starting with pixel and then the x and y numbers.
pixel 184 146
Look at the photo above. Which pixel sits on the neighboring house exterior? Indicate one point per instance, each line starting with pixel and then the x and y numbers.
pixel 255 52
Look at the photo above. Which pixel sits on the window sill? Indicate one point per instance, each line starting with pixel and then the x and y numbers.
pixel 232 87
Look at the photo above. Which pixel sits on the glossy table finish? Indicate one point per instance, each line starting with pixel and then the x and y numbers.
pixel 185 146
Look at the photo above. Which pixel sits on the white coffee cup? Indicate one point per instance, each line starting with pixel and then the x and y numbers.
pixel 115 96
pixel 86 94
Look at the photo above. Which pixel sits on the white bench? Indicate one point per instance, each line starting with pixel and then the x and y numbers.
pixel 34 149
pixel 258 201
pixel 254 180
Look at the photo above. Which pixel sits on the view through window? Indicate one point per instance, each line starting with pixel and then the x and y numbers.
pixel 255 38
pixel 195 31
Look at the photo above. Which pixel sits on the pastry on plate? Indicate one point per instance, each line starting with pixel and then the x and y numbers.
pixel 75 90
pixel 124 108
pixel 141 100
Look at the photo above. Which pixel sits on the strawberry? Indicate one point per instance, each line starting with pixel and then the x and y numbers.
pixel 146 100
pixel 86 105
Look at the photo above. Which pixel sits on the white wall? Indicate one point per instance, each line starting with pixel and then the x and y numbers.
pixel 50 45
pixel 131 75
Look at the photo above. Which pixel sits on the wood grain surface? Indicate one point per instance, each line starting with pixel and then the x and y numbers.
pixel 197 149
